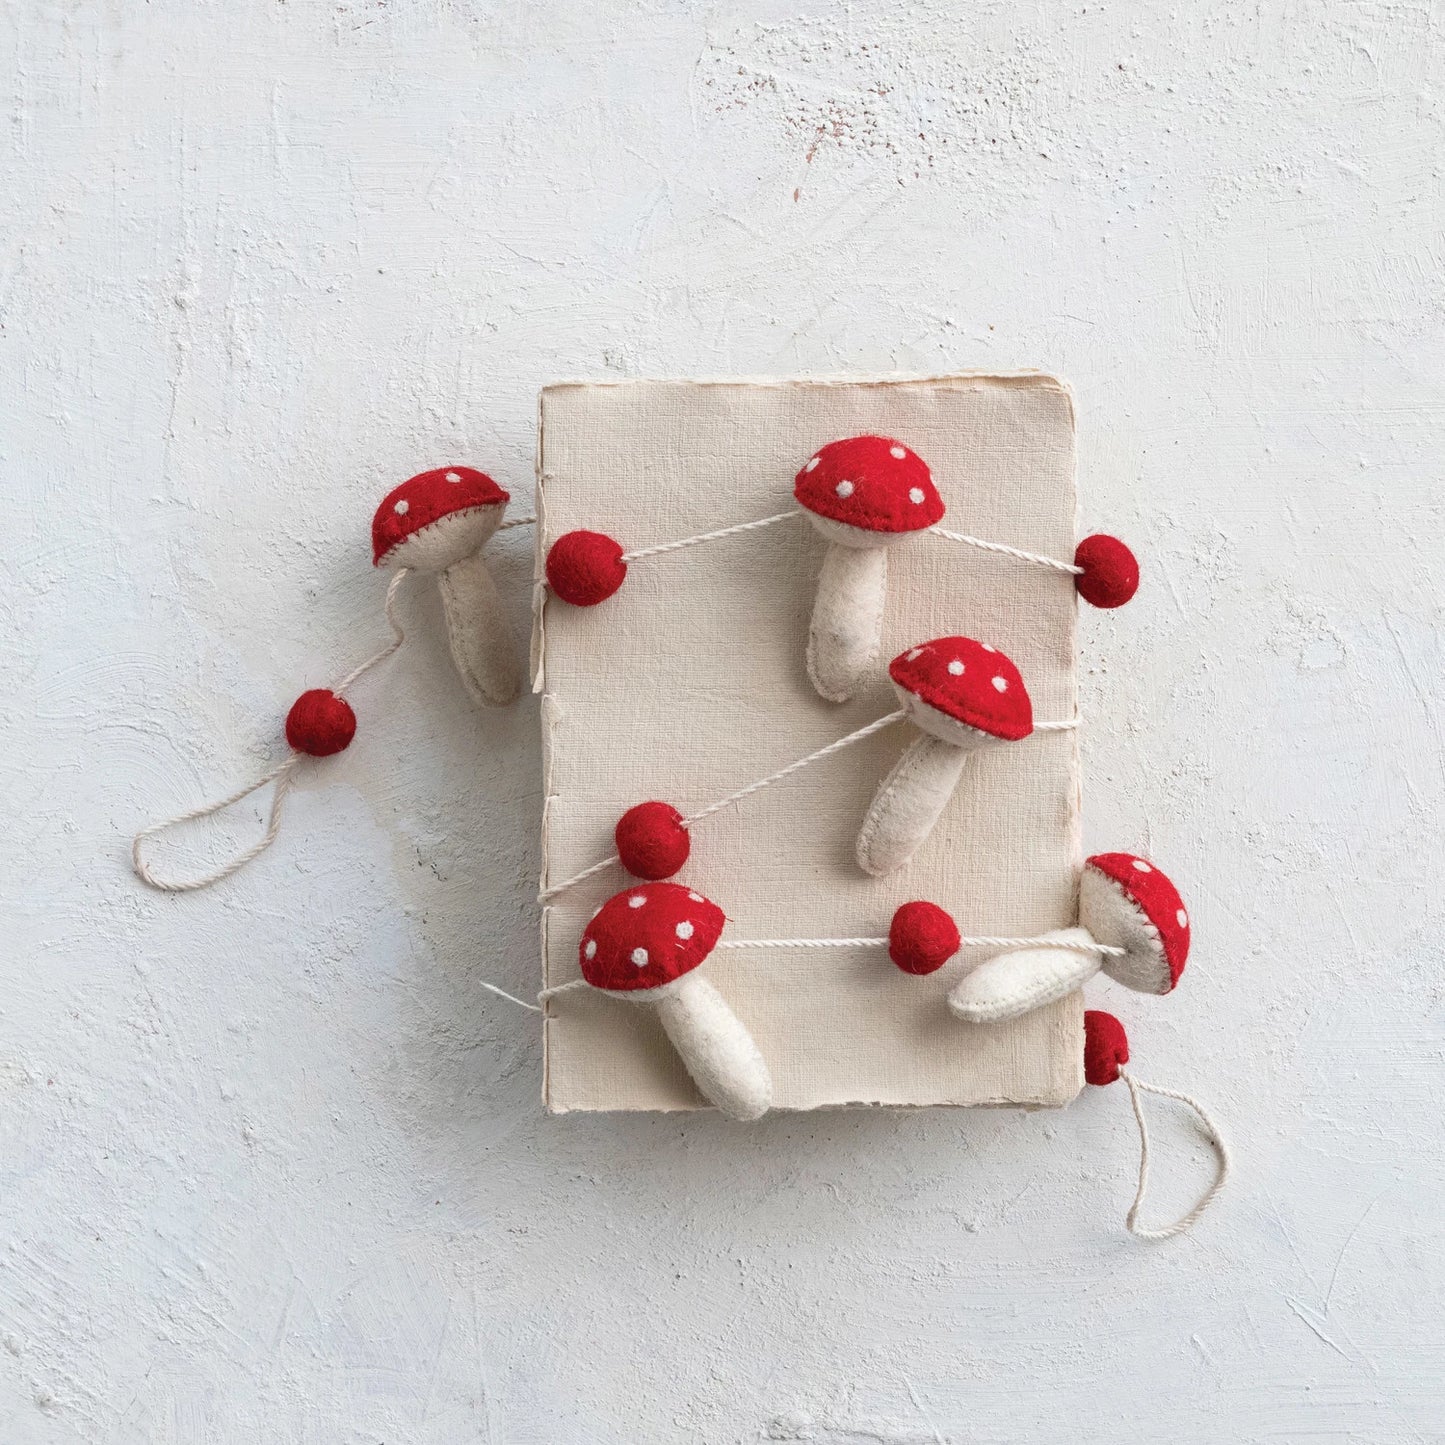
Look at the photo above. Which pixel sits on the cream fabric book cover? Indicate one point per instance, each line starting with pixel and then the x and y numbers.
pixel 690 683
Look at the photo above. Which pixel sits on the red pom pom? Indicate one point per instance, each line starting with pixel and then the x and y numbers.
pixel 922 938
pixel 651 840
pixel 320 723
pixel 1111 571
pixel 1106 1047
pixel 585 568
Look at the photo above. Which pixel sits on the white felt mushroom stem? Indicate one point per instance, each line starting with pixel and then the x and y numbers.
pixel 715 1047
pixel 908 803
pixel 480 634
pixel 1015 983
pixel 847 629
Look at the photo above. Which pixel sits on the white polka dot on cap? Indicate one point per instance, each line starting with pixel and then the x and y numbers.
pixel 844 489
pixel 454 476
pixel 402 507
pixel 684 929
pixel 956 667
pixel 591 950
pixel 1183 918
pixel 898 453
pixel 915 495
pixel 637 900
pixel 639 957
pixel 1001 683
pixel 1142 866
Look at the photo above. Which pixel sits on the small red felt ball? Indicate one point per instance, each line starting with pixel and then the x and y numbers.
pixel 652 841
pixel 585 568
pixel 320 723
pixel 1106 1047
pixel 922 938
pixel 1111 571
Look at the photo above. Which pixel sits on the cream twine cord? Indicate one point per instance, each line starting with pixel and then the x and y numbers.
pixel 973 941
pixel 1036 559
pixel 283 775
pixel 1212 1132
pixel 844 742
pixel 970 942
pixel 1017 553
pixel 707 537
pixel 877 725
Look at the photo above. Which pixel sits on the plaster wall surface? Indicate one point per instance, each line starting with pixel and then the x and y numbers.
pixel 272 1164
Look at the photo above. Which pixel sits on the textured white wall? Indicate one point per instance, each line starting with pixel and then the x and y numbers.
pixel 273 1166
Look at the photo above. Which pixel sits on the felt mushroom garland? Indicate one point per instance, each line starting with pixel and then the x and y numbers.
pixel 962 695
pixel 653 838
pixel 437 522
pixel 863 495
pixel 319 724
pixel 645 945
pixel 1132 924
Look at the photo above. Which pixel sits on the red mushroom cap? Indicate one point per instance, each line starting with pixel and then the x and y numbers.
pixel 1106 1046
pixel 648 936
pixel 874 488
pixel 320 723
pixel 652 840
pixel 1111 571
pixel 922 937
pixel 1129 903
pixel 956 689
pixel 463 505
pixel 585 568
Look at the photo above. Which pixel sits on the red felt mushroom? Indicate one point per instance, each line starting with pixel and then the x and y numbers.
pixel 1129 903
pixel 438 522
pixel 645 945
pixel 652 840
pixel 863 494
pixel 1133 925
pixel 963 695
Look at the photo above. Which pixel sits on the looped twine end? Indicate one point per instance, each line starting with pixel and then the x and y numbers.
pixel 1212 1132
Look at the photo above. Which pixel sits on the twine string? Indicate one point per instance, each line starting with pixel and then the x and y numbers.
pixel 398 636
pixel 1221 1174
pixel 976 941
pixel 282 775
pixel 681 543
pixel 971 941
pixel 1036 559
pixel 877 725
pixel 867 731
pixel 1019 554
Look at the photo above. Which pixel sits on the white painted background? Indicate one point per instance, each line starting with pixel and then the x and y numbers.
pixel 273 1167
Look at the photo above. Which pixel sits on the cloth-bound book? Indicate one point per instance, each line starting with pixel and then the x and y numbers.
pixel 691 682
